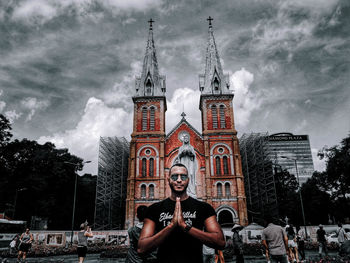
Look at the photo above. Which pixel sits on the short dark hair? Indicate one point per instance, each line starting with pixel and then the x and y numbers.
pixel 178 165
pixel 141 212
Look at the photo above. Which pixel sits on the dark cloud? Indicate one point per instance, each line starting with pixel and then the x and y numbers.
pixel 294 55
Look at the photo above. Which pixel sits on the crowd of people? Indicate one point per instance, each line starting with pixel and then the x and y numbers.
pixel 183 229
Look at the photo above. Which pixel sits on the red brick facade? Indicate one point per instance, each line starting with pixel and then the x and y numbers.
pixel 216 162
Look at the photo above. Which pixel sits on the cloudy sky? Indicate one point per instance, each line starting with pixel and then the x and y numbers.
pixel 68 67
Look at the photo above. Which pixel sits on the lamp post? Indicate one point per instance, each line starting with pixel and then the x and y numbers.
pixel 75 196
pixel 300 196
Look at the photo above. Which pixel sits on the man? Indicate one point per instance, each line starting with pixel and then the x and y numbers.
pixel 275 241
pixel 322 242
pixel 237 243
pixel 341 235
pixel 175 225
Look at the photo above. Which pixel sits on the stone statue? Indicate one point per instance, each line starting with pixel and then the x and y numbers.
pixel 187 157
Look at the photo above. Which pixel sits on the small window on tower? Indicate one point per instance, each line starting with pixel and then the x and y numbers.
pixel 227 190
pixel 216 84
pixel 151 191
pixel 151 167
pixel 148 87
pixel 144 167
pixel 214 115
pixel 219 189
pixel 151 121
pixel 144 119
pixel 222 117
pixel 218 165
pixel 225 162
pixel 143 191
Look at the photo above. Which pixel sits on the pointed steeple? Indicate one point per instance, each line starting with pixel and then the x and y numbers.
pixel 150 83
pixel 213 81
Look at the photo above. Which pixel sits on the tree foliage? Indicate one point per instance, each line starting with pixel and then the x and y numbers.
pixel 43 177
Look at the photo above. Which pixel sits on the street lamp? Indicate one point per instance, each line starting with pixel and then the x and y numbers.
pixel 300 196
pixel 75 195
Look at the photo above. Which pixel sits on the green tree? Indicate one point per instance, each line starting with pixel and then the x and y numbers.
pixel 336 178
pixel 5 131
pixel 287 198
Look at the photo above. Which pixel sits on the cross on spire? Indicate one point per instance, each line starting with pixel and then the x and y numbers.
pixel 150 23
pixel 183 115
pixel 210 19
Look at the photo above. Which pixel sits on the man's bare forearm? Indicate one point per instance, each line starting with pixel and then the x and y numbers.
pixel 211 239
pixel 149 243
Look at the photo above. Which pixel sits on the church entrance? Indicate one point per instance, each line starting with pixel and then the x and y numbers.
pixel 226 216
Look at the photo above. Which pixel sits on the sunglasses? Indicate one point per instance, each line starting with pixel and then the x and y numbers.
pixel 183 177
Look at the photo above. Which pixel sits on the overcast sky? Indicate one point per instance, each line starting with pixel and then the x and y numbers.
pixel 68 67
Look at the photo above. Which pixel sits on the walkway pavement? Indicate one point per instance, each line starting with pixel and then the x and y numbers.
pixel 311 256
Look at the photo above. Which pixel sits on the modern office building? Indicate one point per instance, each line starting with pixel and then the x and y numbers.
pixel 290 152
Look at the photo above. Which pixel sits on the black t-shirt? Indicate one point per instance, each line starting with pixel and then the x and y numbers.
pixel 180 246
pixel 321 235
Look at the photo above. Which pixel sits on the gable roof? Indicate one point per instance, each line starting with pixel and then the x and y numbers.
pixel 182 121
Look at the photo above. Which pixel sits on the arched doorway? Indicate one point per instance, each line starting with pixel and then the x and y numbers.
pixel 225 217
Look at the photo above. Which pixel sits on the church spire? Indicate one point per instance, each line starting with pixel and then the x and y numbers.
pixel 150 83
pixel 213 81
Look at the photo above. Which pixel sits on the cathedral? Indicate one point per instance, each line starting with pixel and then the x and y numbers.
pixel 212 156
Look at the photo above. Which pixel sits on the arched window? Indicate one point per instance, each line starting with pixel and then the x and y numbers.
pixel 143 191
pixel 227 190
pixel 222 116
pixel 144 119
pixel 151 191
pixel 148 87
pixel 151 121
pixel 216 85
pixel 225 163
pixel 218 165
pixel 219 189
pixel 144 167
pixel 214 115
pixel 151 167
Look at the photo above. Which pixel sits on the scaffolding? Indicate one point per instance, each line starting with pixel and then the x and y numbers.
pixel 258 176
pixel 111 183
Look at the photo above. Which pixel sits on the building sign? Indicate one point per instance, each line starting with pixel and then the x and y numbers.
pixel 288 138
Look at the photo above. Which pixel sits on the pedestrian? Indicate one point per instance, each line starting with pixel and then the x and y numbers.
pixel 341 234
pixel 219 256
pixel 13 244
pixel 292 245
pixel 134 235
pixel 208 254
pixel 322 241
pixel 237 243
pixel 176 225
pixel 83 234
pixel 275 241
pixel 26 240
pixel 301 242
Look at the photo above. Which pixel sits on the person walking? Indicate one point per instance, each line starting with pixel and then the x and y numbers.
pixel 341 234
pixel 83 234
pixel 237 243
pixel 26 240
pixel 292 246
pixel 322 241
pixel 134 235
pixel 13 244
pixel 275 241
pixel 301 242
pixel 208 254
pixel 176 225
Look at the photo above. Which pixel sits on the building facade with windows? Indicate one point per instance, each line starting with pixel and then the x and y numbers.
pixel 211 156
pixel 291 151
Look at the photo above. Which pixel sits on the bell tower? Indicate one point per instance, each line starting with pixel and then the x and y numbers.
pixel 223 174
pixel 146 161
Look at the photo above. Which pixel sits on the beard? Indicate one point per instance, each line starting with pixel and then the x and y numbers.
pixel 177 192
